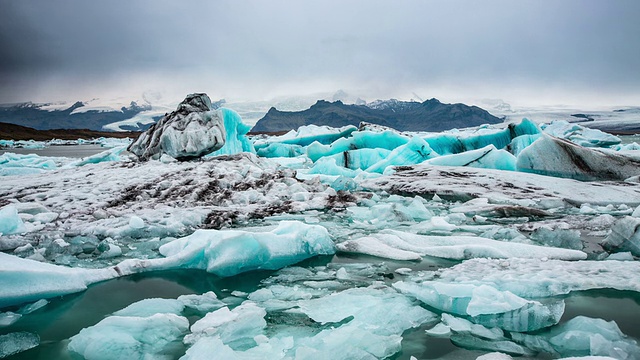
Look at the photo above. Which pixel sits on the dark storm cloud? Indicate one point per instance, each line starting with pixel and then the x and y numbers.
pixel 49 47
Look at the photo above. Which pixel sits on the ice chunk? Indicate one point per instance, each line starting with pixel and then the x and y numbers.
pixel 280 150
pixel 10 221
pixel 580 135
pixel 107 155
pixel 582 336
pixel 406 246
pixel 193 130
pixel 557 237
pixel 621 256
pixel 28 309
pixel 624 236
pixel 521 142
pixel 494 356
pixel 485 305
pixel 359 140
pixel 18 164
pixel 8 318
pixel 376 308
pixel 500 138
pixel 17 342
pixel 557 157
pixel 136 222
pixel 474 336
pixel 360 159
pixel 230 252
pixel 26 280
pixel 123 337
pixel 306 135
pixel 236 140
pixel 486 157
pixel 238 326
pixel 203 303
pixel 413 152
pixel 148 307
pixel 552 277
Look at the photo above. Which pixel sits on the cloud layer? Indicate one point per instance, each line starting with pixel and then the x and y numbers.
pixel 527 51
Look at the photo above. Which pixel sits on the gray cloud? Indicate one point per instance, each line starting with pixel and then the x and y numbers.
pixel 576 50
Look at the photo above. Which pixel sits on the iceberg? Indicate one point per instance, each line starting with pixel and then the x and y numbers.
pixel 358 140
pixel 107 155
pixel 624 236
pixel 400 245
pixel 473 336
pixel 552 277
pixel 561 158
pixel 25 280
pixel 485 305
pixel 582 336
pixel 580 135
pixel 236 140
pixel 502 187
pixel 448 143
pixel 413 152
pixel 131 337
pixel 17 342
pixel 10 221
pixel 192 131
pixel 487 157
pixel 18 164
pixel 230 252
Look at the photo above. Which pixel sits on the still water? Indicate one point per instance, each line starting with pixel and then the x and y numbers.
pixel 71 151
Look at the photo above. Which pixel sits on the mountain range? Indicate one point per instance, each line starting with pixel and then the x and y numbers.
pixel 75 116
pixel 430 115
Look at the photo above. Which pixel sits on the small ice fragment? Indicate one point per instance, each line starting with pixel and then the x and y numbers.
pixel 28 309
pixel 403 271
pixel 8 318
pixel 17 342
pixel 136 223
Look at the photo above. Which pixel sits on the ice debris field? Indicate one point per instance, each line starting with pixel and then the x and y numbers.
pixel 492 242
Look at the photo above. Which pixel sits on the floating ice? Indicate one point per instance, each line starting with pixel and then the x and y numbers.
pixel 17 164
pixel 107 155
pixel 26 280
pixel 149 307
pixel 624 236
pixel 235 140
pixel 8 318
pixel 447 143
pixel 360 323
pixel 413 152
pixel 473 336
pixel 579 134
pixel 582 336
pixel 238 326
pixel 230 252
pixel 17 342
pixel 10 221
pixel 557 157
pixel 406 246
pixel 485 305
pixel 131 337
pixel 503 187
pixel 306 135
pixel 193 130
pixel 486 157
pixel 552 277
pixel 358 140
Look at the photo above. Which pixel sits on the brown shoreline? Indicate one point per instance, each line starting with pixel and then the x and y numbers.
pixel 17 132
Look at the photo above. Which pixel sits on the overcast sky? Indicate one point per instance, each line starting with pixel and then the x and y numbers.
pixel 527 52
